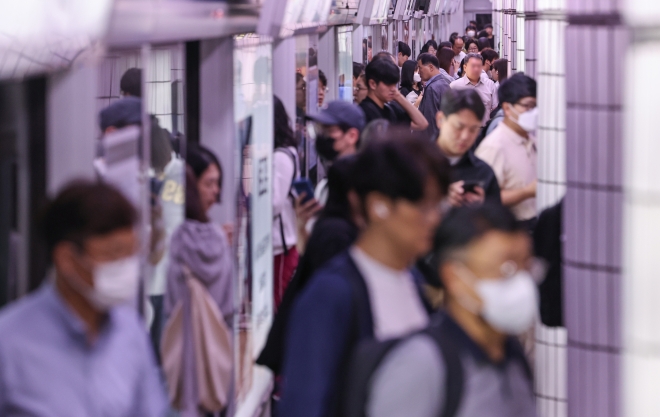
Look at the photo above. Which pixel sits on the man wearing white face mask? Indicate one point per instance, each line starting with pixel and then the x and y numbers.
pixel 511 150
pixel 77 346
pixel 468 362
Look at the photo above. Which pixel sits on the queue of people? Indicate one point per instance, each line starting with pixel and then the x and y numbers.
pixel 431 182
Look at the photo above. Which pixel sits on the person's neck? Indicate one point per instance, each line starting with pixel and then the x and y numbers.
pixel 487 338
pixel 382 251
pixel 91 318
pixel 514 126
pixel 433 74
pixel 375 99
pixel 474 81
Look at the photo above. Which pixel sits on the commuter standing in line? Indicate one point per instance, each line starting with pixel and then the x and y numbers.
pixel 471 46
pixel 404 53
pixel 474 80
pixel 368 291
pixel 459 121
pixel 510 149
pixel 447 64
pixel 360 90
pixel 430 47
pixel 199 250
pixel 384 101
pixel 457 46
pixel 285 171
pixel 410 80
pixel 435 85
pixel 489 56
pixel 323 88
pixel 469 362
pixel 489 31
pixel 358 69
pixel 77 346
pixel 499 73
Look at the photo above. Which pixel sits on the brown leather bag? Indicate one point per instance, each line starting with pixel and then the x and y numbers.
pixel 212 350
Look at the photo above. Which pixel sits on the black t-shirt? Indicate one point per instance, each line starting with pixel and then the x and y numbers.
pixel 471 168
pixel 392 112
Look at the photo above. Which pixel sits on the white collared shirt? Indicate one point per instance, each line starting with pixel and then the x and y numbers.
pixel 513 159
pixel 396 307
pixel 485 87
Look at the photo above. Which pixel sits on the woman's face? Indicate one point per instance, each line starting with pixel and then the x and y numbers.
pixel 432 50
pixel 301 94
pixel 473 48
pixel 208 186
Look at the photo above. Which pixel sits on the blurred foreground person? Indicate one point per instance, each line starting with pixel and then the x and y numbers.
pixel 199 284
pixel 368 291
pixel 76 346
pixel 468 362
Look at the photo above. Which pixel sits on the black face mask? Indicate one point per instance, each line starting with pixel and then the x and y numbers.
pixel 325 148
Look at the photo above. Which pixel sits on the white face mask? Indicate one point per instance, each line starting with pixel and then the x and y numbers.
pixel 471 33
pixel 509 304
pixel 115 283
pixel 529 120
pixel 417 78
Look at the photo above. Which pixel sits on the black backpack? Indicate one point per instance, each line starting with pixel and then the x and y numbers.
pixel 368 356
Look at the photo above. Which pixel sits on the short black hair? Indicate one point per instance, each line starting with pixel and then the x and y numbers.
pixel 131 82
pixel 483 43
pixel 428 58
pixel 358 69
pixel 515 88
pixel 199 159
pixel 445 57
pixel 384 54
pixel 398 164
pixel 194 208
pixel 444 44
pixel 323 80
pixel 474 55
pixel 470 42
pixel 382 71
pixel 462 226
pixel 454 101
pixel 85 209
pixel 404 49
pixel 488 25
pixel 489 54
pixel 453 37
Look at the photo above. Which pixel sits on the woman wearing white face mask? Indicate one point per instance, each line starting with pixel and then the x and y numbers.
pixel 483 260
pixel 410 81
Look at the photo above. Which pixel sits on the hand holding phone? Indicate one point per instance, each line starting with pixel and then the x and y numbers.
pixel 303 185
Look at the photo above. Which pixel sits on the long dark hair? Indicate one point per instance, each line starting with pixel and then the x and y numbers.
pixel 199 159
pixel 194 210
pixel 407 73
pixel 284 136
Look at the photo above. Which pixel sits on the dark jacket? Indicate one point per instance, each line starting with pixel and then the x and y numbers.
pixel 430 104
pixel 392 112
pixel 330 236
pixel 471 168
pixel 328 319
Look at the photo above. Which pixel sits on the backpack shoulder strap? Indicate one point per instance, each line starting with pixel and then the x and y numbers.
pixel 295 175
pixel 454 383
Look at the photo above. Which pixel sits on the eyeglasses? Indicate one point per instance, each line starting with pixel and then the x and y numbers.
pixel 359 88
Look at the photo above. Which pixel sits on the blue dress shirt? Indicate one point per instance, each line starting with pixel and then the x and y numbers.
pixel 48 369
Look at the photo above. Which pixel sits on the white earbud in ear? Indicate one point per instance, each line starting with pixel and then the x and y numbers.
pixel 381 210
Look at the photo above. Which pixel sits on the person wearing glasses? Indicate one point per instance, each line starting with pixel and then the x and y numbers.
pixel 360 90
pixel 511 150
pixel 469 362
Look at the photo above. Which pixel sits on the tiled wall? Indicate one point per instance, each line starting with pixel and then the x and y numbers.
pixel 595 38
pixel 550 366
pixel 641 309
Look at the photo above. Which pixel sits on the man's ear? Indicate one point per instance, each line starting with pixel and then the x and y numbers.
pixel 439 119
pixel 371 84
pixel 353 136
